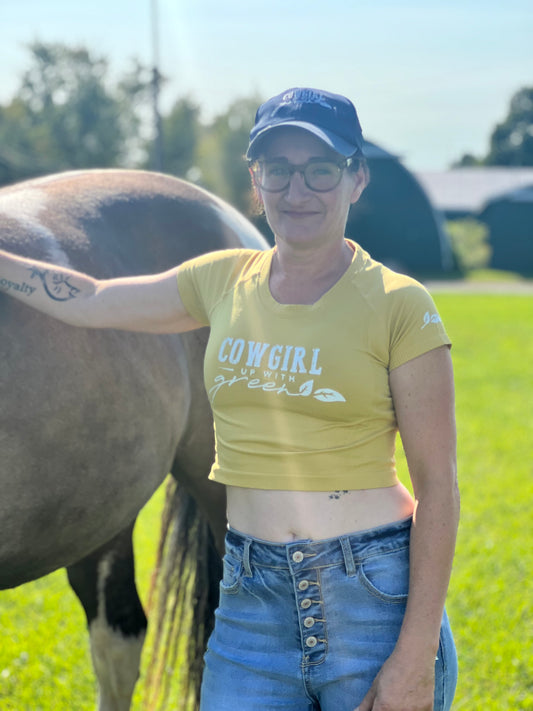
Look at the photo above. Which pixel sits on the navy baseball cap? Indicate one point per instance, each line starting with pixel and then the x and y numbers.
pixel 330 117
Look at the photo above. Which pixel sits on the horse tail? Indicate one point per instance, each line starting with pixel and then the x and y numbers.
pixel 181 604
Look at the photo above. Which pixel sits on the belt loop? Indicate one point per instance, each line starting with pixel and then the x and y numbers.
pixel 246 558
pixel 348 556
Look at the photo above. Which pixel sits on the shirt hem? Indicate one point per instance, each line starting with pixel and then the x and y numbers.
pixel 318 483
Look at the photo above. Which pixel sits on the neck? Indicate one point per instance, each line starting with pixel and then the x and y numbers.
pixel 302 277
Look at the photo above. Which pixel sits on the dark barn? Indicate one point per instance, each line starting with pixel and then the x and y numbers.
pixel 509 218
pixel 395 221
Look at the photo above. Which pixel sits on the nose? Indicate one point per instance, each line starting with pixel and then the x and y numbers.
pixel 297 187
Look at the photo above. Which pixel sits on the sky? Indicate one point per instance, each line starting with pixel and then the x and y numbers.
pixel 430 78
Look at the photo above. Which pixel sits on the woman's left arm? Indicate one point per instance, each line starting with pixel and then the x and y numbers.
pixel 423 396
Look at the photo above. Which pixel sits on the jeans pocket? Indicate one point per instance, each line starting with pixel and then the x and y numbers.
pixel 386 575
pixel 231 576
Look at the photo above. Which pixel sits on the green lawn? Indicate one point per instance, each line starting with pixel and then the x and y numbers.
pixel 492 590
pixel 44 659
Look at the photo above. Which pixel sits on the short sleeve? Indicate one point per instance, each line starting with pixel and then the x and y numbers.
pixel 203 281
pixel 415 326
pixel 189 278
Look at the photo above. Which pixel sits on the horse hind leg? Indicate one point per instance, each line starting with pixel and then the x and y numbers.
pixel 105 585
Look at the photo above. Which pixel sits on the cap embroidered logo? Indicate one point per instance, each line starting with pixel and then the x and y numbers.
pixel 305 96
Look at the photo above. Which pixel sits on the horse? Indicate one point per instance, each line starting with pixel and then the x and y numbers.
pixel 92 421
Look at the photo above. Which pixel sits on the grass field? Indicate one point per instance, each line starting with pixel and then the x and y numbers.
pixel 44 659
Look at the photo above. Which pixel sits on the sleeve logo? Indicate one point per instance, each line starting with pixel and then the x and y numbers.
pixel 430 318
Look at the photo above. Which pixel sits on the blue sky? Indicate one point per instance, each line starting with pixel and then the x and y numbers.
pixel 430 78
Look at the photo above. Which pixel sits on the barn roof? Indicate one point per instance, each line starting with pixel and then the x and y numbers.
pixel 466 190
pixel 519 195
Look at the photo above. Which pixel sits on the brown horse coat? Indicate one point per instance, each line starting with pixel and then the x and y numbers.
pixel 91 421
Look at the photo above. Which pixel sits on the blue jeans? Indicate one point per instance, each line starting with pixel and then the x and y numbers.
pixel 306 626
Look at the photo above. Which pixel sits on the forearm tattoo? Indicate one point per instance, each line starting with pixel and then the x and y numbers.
pixel 23 287
pixel 56 285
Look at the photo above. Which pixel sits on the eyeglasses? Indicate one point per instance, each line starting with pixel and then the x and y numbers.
pixel 319 174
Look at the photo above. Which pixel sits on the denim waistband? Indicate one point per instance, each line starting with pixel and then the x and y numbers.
pixel 348 549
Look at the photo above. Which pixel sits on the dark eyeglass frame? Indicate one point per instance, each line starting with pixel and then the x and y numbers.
pixel 255 167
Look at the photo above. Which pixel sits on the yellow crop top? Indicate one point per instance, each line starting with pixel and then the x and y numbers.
pixel 300 393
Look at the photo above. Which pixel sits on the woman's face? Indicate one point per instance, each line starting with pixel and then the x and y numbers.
pixel 298 215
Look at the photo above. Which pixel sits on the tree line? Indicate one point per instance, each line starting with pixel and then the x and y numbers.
pixel 511 141
pixel 68 113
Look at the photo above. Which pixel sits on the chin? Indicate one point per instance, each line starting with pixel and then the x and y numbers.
pixel 301 238
pixel 299 233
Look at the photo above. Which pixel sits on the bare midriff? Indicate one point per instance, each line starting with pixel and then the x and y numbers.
pixel 285 516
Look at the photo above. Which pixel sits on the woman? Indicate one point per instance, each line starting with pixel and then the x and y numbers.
pixel 335 577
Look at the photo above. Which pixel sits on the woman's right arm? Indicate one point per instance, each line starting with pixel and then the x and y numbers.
pixel 149 304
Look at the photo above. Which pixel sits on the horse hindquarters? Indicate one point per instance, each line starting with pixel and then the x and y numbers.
pixel 104 582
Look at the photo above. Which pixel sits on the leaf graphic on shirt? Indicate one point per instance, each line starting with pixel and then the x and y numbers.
pixel 328 395
pixel 306 388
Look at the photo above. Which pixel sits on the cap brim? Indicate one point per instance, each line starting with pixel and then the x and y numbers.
pixel 339 145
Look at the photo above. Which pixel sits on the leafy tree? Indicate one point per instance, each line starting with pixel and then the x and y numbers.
pixel 470 243
pixel 180 130
pixel 511 142
pixel 468 160
pixel 65 114
pixel 221 153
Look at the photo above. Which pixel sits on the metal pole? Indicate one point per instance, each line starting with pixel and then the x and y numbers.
pixel 157 153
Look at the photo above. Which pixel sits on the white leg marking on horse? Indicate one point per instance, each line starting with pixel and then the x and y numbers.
pixel 115 657
pixel 25 206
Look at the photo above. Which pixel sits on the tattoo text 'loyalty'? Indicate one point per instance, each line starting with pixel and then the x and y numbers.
pixel 7 285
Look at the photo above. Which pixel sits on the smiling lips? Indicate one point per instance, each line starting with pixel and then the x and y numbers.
pixel 300 214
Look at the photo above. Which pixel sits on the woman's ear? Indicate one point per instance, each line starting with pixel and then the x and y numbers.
pixel 252 177
pixel 361 181
pixel 256 199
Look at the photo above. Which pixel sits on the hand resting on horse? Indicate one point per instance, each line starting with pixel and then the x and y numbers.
pixel 149 304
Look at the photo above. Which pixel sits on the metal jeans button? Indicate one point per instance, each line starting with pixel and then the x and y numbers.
pixel 303 584
pixel 298 556
pixel 306 603
pixel 311 641
pixel 309 621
